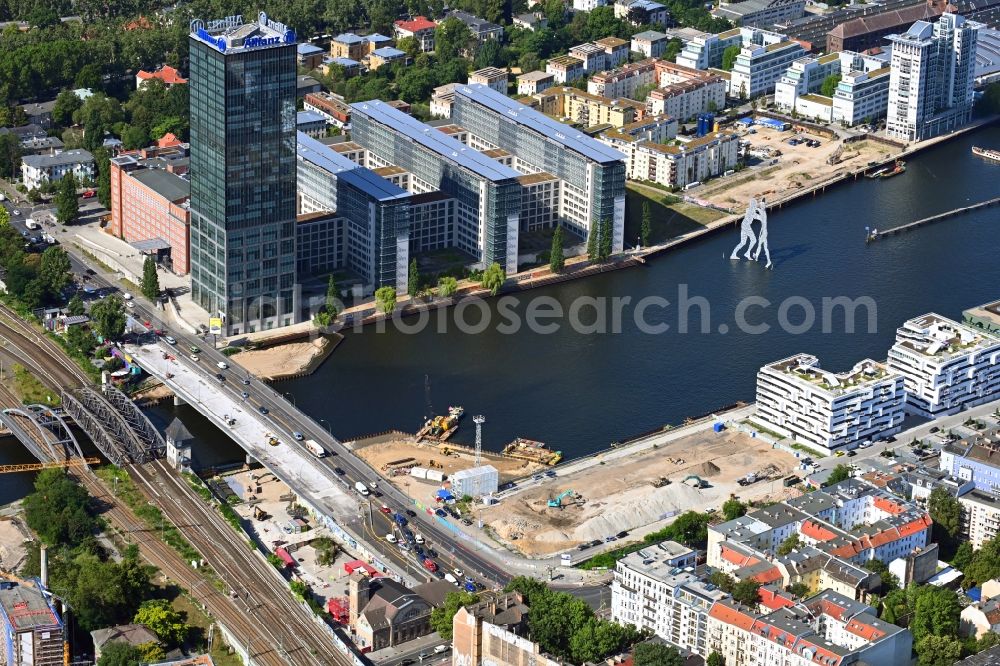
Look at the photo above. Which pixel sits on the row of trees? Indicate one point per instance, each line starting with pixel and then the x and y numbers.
pixel 33 279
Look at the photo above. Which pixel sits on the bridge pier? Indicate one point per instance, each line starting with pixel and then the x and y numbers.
pixel 178 401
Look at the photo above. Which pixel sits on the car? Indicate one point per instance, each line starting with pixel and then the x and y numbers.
pixel 432 552
pixel 935 429
pixel 458 573
pixel 610 539
pixel 851 454
pixel 583 546
pixel 130 304
pixel 376 493
pixel 246 381
pixel 451 579
pixel 298 436
pixel 89 271
pixel 407 662
pixel 537 477
pixel 89 194
pixel 441 649
pixel 339 471
pixel 390 537
pixel 467 522
pixel 263 410
pixel 622 534
pixel 170 340
pixel 220 377
pixel 890 440
pixel 423 655
pixel 373 484
pixel 15 212
pixel 551 473
pixel 385 509
pixel 419 538
pixel 195 349
pixel 411 513
pixel 195 358
pixel 440 513
pixel 222 365
pixel 245 395
pixel 595 542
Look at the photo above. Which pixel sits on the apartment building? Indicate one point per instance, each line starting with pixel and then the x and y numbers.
pixel 494 631
pixel 593 57
pixel 819 571
pixel 861 96
pixel 36 170
pixel 592 175
pixel 650 43
pixel 692 161
pixel 827 410
pixel 975 459
pixel 32 629
pixel 332 108
pixel 947 366
pixel 491 77
pixel 534 82
pixel 385 56
pixel 705 51
pixel 616 51
pixel 624 81
pixel 420 28
pixel 931 78
pixel 758 67
pixel 643 12
pixel 805 75
pixel 565 69
pixel 480 29
pixel 980 516
pixel 685 92
pixel 586 109
pixel 149 203
pixel 760 13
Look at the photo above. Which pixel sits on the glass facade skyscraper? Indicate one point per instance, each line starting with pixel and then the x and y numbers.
pixel 243 171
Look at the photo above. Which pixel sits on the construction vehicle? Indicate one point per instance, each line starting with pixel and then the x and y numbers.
pixel 260 514
pixel 556 503
pixel 748 479
pixel 695 481
pixel 661 481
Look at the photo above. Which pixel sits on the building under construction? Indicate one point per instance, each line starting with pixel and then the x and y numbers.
pixel 33 632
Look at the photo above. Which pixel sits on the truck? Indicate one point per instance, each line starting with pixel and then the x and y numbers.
pixel 361 488
pixel 32 224
pixel 315 448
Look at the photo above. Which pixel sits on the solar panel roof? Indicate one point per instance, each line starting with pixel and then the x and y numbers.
pixel 326 158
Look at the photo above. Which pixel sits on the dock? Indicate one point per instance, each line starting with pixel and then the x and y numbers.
pixel 934 218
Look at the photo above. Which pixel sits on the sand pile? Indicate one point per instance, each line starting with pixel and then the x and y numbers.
pixel 707 469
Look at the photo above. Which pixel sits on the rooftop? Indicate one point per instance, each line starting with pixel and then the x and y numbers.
pixel 436 141
pixel 305 49
pixel 167 74
pixel 76 156
pixel 566 61
pixel 475 23
pixel 417 24
pixel 489 73
pixel 611 42
pixel 25 606
pixel 232 34
pixel 170 186
pixel 805 367
pixel 941 338
pixel 649 35
pixel 536 76
pixel 540 123
pixel 388 52
pixel 349 38
pixel 311 150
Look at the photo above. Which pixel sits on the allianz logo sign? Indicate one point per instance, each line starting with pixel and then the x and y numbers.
pixel 252 42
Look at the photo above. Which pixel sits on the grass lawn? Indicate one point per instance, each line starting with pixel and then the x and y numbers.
pixel 200 623
pixel 669 221
pixel 30 390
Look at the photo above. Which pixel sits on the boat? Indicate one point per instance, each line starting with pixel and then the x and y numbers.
pixel 988 153
pixel 877 173
pixel 895 171
pixel 441 427
pixel 532 451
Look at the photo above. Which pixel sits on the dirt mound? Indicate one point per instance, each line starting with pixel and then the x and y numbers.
pixel 707 469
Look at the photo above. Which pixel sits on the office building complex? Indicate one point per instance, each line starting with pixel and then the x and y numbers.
pixel 33 632
pixel 705 51
pixel 592 175
pixel 826 410
pixel 759 66
pixel 947 366
pixel 862 96
pixel 932 72
pixel 149 202
pixel 761 13
pixel 243 92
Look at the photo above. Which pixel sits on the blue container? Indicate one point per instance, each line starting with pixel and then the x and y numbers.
pixel 718 427
pixel 706 121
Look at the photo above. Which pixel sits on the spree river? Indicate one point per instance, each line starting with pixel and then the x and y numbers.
pixel 580 392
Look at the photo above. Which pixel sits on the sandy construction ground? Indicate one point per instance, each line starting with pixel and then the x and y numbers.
pixel 380 453
pixel 797 168
pixel 281 360
pixel 620 495
pixel 12 538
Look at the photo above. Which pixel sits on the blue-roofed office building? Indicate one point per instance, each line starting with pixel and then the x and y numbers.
pixel 243 90
pixel 591 174
pixel 310 123
pixel 370 232
pixel 487 193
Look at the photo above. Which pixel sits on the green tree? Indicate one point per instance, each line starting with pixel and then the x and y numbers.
pixel 151 652
pixel 161 618
pixel 935 650
pixel 839 473
pixel 108 316
pixel 447 286
pixel 10 155
pixel 490 54
pixel 75 306
pixel 54 272
pixel 989 103
pixel 556 258
pixel 946 511
pixel 674 47
pixel 66 105
pixel 729 57
pixel 889 580
pixel 604 248
pixel 690 528
pixel 150 283
pixel 82 340
pixel 722 580
pixel 413 280
pixel 119 654
pixel 935 612
pixel 647 223
pixel 733 508
pixel 57 510
pixel 332 297
pixel 656 654
pixel 385 299
pixel 493 278
pixel 715 659
pixel 963 556
pixel 747 592
pixel 451 37
pixel 789 544
pixel 67 206
pixel 593 241
pixel 102 162
pixel 134 137
pixel 829 85
pixel 441 617
pixel 798 589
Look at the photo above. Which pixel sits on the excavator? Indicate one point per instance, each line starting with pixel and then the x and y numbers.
pixel 557 502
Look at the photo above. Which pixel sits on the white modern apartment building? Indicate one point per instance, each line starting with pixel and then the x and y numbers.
pixel 651 590
pixel 826 410
pixel 861 96
pixel 649 43
pixel 759 66
pixel 685 92
pixel 534 82
pixel 593 57
pixel 491 77
pixel 947 366
pixel 624 81
pixel 980 517
pixel 565 68
pixel 704 52
pixel 36 170
pixel 588 5
pixel 693 161
pixel 806 75
pixel 933 68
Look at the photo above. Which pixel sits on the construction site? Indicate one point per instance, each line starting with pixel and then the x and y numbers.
pixel 638 493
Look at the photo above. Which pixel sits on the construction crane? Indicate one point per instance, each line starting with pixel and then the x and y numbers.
pixel 427 399
pixel 480 420
pixel 34 467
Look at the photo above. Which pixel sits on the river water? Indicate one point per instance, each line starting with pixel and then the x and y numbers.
pixel 580 392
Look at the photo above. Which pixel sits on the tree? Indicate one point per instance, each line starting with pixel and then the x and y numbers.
pixel 647 223
pixel 451 37
pixel 413 280
pixel 963 556
pixel 798 589
pixel 593 241
pixel 715 659
pixel 161 618
pixel 150 283
pixel 747 592
pixel 604 249
pixel 829 85
pixel 108 316
pixel 889 580
pixel 656 654
pixel 733 508
pixel 385 299
pixel 56 510
pixel 729 57
pixel 935 612
pixel 989 103
pixel 151 652
pixel 839 473
pixel 938 651
pixel 54 272
pixel 690 528
pixel 490 54
pixel 119 654
pixel 556 258
pixel 82 340
pixel 722 580
pixel 67 206
pixel 447 286
pixel 332 297
pixel 493 278
pixel 134 137
pixel 66 105
pixel 946 511
pixel 441 617
pixel 789 544
pixel 673 48
pixel 75 306
pixel 10 155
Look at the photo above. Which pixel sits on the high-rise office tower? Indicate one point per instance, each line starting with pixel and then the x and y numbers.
pixel 243 167
pixel 931 77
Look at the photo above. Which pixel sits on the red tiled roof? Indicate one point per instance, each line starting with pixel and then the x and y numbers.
pixel 767 576
pixel 820 654
pixel 816 531
pixel 775 599
pixel 416 25
pixel 915 526
pixel 865 631
pixel 737 558
pixel 168 140
pixel 888 505
pixel 167 74
pixel 732 616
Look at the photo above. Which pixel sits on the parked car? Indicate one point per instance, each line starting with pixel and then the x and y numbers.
pixel 385 509
pixel 262 409
pixel 411 513
pixel 297 435
pixel 339 471
pixel 170 340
